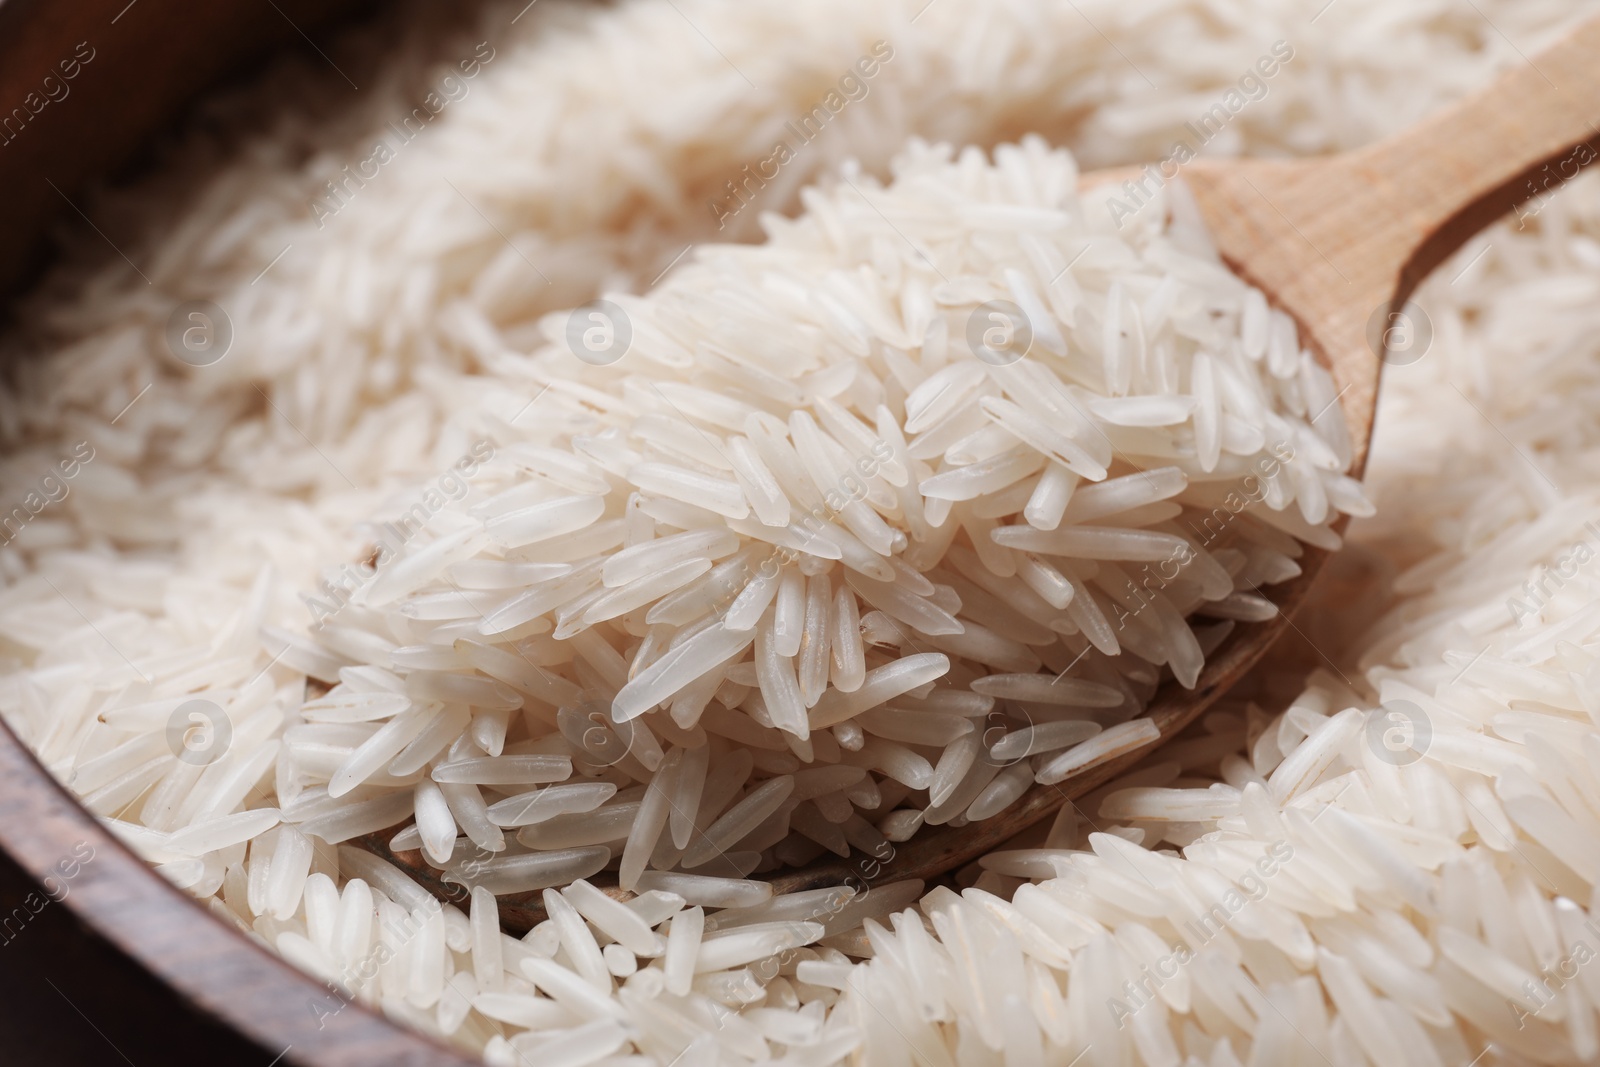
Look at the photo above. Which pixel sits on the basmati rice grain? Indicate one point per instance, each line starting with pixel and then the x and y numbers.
pixel 633 600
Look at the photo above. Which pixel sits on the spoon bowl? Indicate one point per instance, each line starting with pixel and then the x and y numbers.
pixel 1340 244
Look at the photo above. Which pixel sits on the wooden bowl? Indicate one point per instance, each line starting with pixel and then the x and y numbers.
pixel 147 60
pixel 114 104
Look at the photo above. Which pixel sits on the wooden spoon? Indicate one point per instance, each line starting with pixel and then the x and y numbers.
pixel 1340 243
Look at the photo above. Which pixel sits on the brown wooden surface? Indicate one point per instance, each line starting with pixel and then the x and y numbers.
pixel 1332 240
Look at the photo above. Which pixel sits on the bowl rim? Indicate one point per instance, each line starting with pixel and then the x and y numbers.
pixel 172 935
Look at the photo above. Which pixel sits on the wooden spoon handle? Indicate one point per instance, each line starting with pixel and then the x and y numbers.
pixel 1341 242
pixel 1508 148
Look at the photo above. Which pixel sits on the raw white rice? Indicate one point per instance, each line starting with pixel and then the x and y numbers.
pixel 671 624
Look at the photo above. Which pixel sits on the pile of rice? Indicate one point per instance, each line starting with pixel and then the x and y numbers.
pixel 793 550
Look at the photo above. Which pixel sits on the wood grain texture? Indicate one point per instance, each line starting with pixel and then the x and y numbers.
pixel 1334 241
